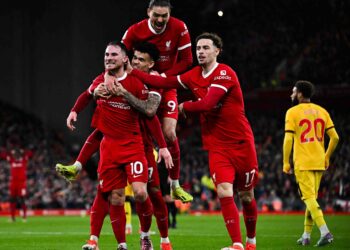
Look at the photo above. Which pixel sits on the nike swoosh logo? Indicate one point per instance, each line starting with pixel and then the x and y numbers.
pixel 171 112
pixel 136 176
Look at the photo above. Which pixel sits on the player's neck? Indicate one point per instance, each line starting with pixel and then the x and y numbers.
pixel 304 100
pixel 118 72
pixel 208 67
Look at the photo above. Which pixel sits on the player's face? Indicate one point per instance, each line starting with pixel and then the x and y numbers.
pixel 159 17
pixel 206 52
pixel 142 61
pixel 294 97
pixel 114 58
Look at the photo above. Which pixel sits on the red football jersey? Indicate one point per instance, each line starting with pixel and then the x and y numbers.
pixel 116 118
pixel 18 165
pixel 174 38
pixel 226 124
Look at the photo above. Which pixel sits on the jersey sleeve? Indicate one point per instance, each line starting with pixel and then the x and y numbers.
pixel 329 122
pixel 289 125
pixel 97 81
pixel 129 37
pixel 185 39
pixel 224 78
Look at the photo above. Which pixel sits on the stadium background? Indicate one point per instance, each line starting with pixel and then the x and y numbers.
pixel 52 50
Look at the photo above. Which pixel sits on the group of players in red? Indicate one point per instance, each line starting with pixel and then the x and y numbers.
pixel 128 97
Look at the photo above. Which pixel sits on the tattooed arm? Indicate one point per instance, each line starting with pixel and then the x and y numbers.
pixel 148 107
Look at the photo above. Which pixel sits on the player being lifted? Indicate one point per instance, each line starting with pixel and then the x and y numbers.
pixel 305 126
pixel 226 132
pixel 172 38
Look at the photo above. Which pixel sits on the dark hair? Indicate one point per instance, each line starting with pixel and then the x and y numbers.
pixel 159 3
pixel 119 44
pixel 217 41
pixel 149 48
pixel 306 88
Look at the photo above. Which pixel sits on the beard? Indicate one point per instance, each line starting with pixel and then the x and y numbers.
pixel 295 102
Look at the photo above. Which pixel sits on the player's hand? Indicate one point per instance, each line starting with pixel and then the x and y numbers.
pixel 165 154
pixel 109 81
pixel 326 163
pixel 72 117
pixel 154 73
pixel 101 91
pixel 287 169
pixel 118 89
pixel 181 110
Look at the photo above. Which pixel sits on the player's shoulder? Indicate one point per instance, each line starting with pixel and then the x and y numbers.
pixel 100 78
pixel 320 108
pixel 224 72
pixel 177 23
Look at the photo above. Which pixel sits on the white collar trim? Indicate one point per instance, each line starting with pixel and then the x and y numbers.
pixel 211 71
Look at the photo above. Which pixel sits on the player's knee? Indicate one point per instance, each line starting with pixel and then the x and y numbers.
pixel 247 199
pixel 140 195
pixel 117 198
pixel 246 196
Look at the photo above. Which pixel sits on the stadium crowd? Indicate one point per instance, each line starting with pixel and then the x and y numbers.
pixel 275 191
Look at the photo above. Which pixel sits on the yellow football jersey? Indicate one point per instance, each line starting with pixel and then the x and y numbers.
pixel 308 123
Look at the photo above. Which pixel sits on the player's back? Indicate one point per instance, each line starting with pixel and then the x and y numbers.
pixel 309 122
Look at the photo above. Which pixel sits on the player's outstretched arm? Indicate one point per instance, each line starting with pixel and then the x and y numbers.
pixel 157 81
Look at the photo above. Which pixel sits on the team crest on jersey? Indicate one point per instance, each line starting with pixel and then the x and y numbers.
pixel 167 44
pixel 223 72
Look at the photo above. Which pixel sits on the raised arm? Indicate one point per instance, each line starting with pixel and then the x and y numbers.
pixel 81 103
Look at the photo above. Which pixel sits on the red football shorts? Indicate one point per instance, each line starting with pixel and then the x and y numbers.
pixel 168 106
pixel 18 188
pixel 120 164
pixel 237 165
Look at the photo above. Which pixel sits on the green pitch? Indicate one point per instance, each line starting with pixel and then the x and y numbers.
pixel 193 233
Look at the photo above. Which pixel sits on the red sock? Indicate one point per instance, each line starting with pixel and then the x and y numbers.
pixel 99 210
pixel 145 211
pixel 231 218
pixel 118 221
pixel 250 214
pixel 174 149
pixel 24 208
pixel 90 147
pixel 160 212
pixel 13 209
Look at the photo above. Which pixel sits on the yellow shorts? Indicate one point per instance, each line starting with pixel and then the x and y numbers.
pixel 308 182
pixel 128 190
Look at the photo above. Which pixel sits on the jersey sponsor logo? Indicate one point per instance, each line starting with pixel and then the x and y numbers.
pixel 223 72
pixel 222 77
pixel 164 58
pixel 119 105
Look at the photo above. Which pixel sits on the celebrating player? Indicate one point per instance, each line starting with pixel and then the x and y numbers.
pixel 305 126
pixel 226 132
pixel 171 37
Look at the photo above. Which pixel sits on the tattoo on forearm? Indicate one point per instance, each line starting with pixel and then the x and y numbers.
pixel 148 107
